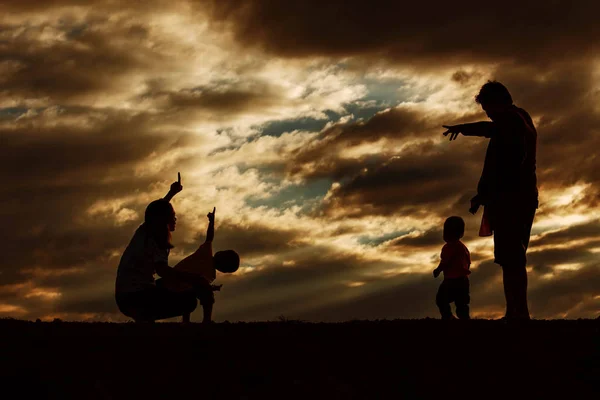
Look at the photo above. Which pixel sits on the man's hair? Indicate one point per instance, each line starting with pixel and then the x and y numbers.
pixel 454 227
pixel 493 92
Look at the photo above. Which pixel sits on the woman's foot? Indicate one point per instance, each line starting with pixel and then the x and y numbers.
pixel 515 318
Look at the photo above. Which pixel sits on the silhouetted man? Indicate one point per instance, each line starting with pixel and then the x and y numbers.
pixel 507 187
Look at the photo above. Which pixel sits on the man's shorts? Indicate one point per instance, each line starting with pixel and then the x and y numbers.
pixel 512 228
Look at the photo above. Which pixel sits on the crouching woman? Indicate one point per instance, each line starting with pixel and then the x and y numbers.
pixel 138 294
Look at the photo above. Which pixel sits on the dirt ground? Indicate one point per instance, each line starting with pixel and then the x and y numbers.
pixel 400 359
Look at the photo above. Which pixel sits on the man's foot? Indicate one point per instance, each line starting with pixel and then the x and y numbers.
pixel 144 321
pixel 449 318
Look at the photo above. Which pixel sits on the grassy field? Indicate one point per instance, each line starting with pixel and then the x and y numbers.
pixel 411 359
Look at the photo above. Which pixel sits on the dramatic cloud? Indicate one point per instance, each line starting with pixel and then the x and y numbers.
pixel 315 130
pixel 418 32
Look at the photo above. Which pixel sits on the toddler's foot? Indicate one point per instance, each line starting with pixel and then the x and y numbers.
pixel 449 318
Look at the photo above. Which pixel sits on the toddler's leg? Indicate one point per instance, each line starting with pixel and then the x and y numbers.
pixel 207 308
pixel 462 301
pixel 443 303
pixel 207 299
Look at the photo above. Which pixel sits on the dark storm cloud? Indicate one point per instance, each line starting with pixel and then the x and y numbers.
pixel 397 123
pixel 415 182
pixel 545 260
pixel 57 170
pixel 575 232
pixel 425 239
pixel 317 278
pixel 322 158
pixel 90 58
pixel 564 98
pixel 560 97
pixel 223 99
pixel 549 89
pixel 35 6
pixel 48 149
pixel 49 237
pixel 418 31
pixel 251 241
pixel 567 291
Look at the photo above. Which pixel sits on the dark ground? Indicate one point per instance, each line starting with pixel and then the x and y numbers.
pixel 410 359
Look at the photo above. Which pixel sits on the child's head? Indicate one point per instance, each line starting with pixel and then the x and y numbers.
pixel 160 221
pixel 454 228
pixel 227 261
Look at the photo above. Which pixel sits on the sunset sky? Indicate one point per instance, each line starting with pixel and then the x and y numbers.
pixel 313 127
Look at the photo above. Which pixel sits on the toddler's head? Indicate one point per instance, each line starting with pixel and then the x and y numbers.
pixel 454 229
pixel 226 261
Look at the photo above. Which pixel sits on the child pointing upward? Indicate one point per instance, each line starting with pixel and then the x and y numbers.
pixel 203 264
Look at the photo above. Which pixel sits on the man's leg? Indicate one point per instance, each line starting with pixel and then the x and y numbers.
pixel 519 270
pixel 508 292
pixel 443 302
pixel 510 224
pixel 520 293
pixel 522 309
pixel 511 252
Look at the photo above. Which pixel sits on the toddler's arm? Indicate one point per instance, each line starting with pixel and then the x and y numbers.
pixel 445 256
pixel 164 271
pixel 210 232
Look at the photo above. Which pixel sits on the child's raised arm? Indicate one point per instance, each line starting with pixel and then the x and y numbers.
pixel 210 232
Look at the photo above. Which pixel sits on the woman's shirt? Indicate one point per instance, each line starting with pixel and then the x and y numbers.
pixel 136 268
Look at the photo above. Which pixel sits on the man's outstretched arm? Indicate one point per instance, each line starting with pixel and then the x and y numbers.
pixel 481 129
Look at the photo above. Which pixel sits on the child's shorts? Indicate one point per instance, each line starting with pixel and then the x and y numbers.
pixel 455 290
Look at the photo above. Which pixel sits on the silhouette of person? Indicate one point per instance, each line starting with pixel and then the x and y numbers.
pixel 507 188
pixel 455 263
pixel 203 263
pixel 137 294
